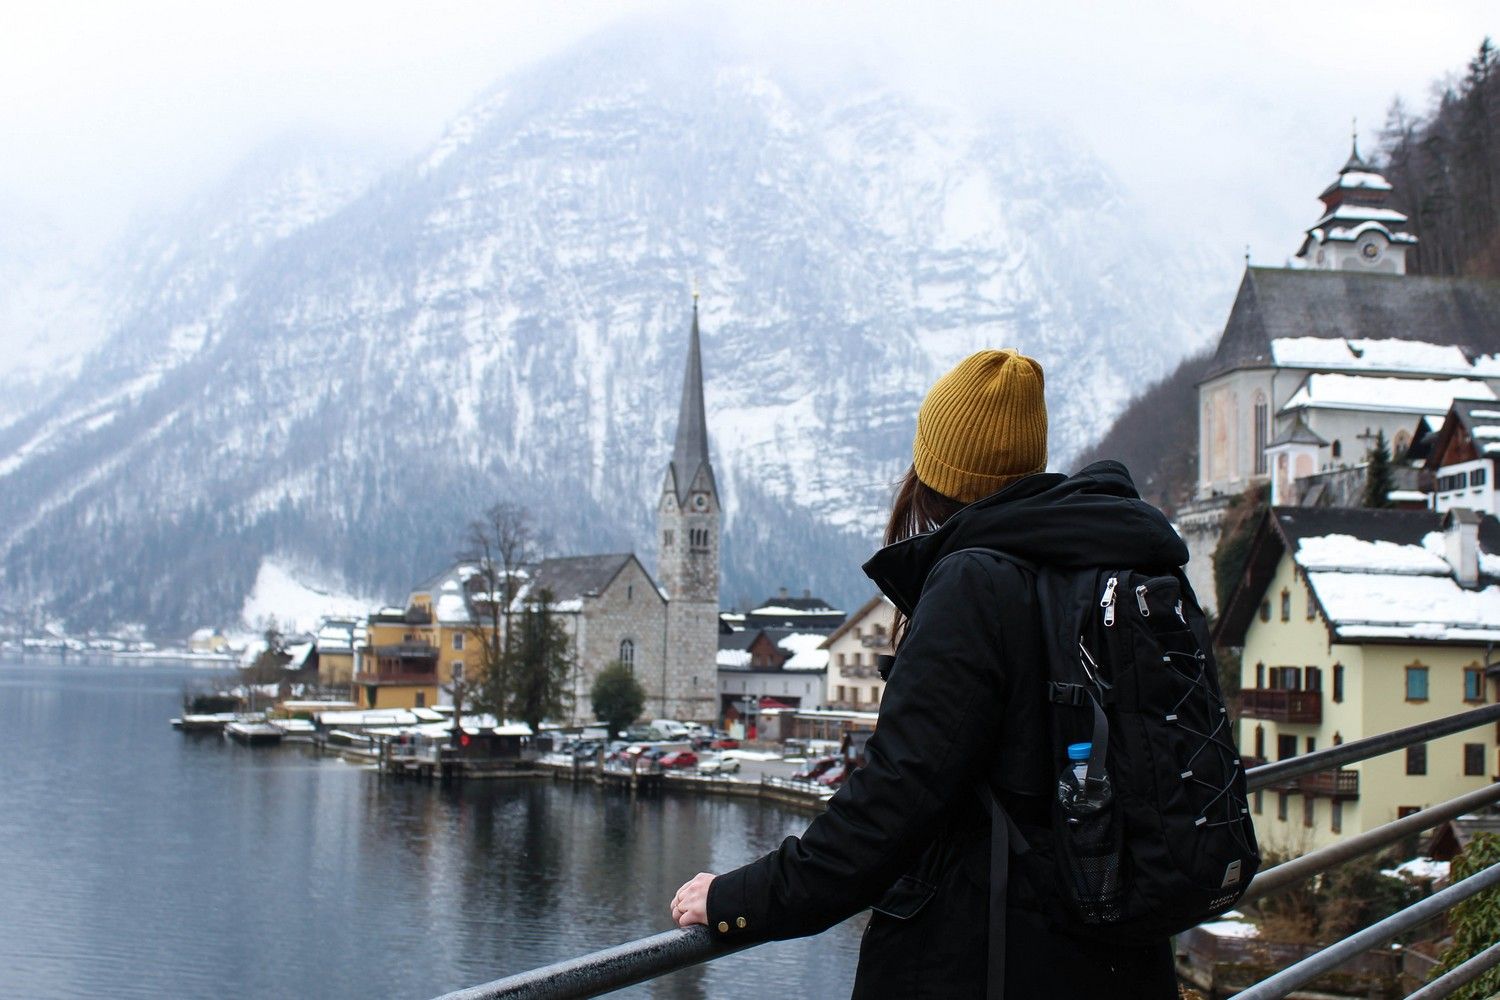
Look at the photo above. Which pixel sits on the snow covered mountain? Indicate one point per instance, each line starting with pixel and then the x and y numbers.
pixel 337 373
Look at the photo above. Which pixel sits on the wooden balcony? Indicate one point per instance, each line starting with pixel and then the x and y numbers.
pixel 402 663
pixel 1282 706
pixel 397 677
pixel 1339 784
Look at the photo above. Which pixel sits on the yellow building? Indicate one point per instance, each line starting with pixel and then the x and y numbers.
pixel 854 680
pixel 1352 623
pixel 410 656
pixel 336 640
pixel 208 640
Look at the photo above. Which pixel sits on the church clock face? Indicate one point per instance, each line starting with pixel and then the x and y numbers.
pixel 1370 251
pixel 700 502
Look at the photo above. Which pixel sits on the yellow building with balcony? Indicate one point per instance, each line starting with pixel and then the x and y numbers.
pixel 1352 623
pixel 411 655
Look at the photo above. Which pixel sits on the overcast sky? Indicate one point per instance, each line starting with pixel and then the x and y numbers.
pixel 1224 120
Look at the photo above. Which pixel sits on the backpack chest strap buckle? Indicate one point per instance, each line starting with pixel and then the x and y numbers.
pixel 1064 693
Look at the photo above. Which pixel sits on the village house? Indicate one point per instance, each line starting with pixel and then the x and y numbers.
pixel 336 640
pixel 768 669
pixel 1460 458
pixel 1356 622
pixel 208 640
pixel 854 680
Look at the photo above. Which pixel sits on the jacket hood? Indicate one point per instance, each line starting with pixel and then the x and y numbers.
pixel 1092 518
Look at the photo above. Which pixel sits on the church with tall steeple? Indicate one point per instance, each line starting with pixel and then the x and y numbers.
pixel 688 535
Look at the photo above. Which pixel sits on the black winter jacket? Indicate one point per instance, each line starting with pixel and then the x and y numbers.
pixel 964 702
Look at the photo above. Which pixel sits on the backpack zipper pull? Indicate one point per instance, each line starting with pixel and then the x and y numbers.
pixel 1140 600
pixel 1108 601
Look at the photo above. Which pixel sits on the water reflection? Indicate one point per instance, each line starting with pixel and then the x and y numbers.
pixel 144 863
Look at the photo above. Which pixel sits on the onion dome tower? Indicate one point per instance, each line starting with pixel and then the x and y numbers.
pixel 1358 230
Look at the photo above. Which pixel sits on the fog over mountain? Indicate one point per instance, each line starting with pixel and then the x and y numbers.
pixel 336 367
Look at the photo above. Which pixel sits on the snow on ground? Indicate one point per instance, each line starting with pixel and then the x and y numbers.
pixel 296 605
pixel 1419 868
pixel 1230 928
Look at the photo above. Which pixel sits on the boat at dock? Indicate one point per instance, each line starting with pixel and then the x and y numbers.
pixel 204 723
pixel 253 733
pixel 296 730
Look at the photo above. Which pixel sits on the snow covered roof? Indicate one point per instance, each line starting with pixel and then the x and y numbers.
pixel 1350 212
pixel 571 579
pixel 1367 355
pixel 808 659
pixel 1348 554
pixel 734 659
pixel 336 635
pixel 1377 575
pixel 1362 179
pixel 1348 234
pixel 1279 302
pixel 1376 589
pixel 299 652
pixel 1334 391
pixel 801 642
pixel 368 718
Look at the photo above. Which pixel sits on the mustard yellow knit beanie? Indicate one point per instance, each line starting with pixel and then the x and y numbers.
pixel 982 426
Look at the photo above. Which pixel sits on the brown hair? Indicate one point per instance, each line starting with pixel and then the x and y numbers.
pixel 915 509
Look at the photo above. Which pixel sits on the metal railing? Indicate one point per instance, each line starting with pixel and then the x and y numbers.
pixel 671 951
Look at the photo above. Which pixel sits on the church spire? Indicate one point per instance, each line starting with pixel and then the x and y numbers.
pixel 691 450
pixel 1355 161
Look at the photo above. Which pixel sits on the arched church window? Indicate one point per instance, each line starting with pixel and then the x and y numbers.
pixel 1262 413
pixel 666 538
pixel 1338 449
pixel 627 653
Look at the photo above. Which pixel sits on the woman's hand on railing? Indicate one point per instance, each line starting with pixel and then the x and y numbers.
pixel 690 905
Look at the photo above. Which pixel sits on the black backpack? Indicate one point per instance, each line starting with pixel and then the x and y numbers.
pixel 1160 838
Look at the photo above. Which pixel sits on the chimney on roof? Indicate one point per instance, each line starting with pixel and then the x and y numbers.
pixel 782 593
pixel 1461 545
pixel 806 594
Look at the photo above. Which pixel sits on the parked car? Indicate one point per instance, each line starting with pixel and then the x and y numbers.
pixel 725 743
pixel 719 764
pixel 678 758
pixel 627 753
pixel 833 777
pixel 814 769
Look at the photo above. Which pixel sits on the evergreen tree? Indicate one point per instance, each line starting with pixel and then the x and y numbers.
pixel 618 697
pixel 541 660
pixel 1378 479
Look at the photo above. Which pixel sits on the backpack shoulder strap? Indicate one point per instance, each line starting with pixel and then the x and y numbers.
pixel 1005 839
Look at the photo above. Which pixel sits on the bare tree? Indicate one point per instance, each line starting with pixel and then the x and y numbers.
pixel 502 546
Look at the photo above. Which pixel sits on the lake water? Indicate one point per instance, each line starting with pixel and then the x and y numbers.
pixel 141 862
